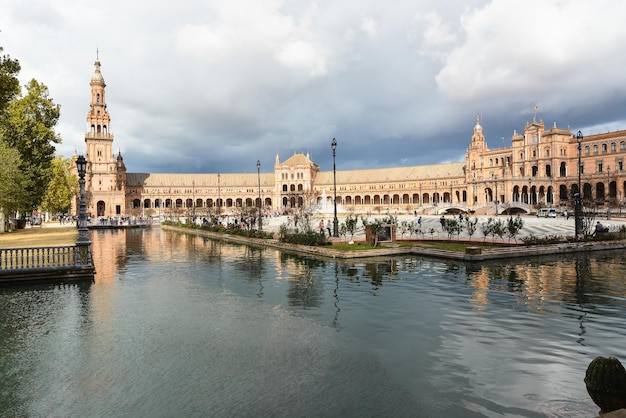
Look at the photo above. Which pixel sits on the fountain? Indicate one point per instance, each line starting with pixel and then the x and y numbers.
pixel 325 205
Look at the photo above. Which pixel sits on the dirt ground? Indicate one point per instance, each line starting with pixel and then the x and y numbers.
pixel 34 237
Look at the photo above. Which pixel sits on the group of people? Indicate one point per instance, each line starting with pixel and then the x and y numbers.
pixel 329 227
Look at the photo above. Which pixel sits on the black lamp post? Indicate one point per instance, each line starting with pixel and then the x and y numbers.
pixel 420 196
pixel 258 170
pixel 495 180
pixel 608 193
pixel 333 145
pixel 82 242
pixel 193 201
pixel 577 196
pixel 219 200
pixel 474 195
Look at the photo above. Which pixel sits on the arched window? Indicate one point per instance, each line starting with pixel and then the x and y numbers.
pixel 613 147
pixel 586 150
pixel 595 149
pixel 603 148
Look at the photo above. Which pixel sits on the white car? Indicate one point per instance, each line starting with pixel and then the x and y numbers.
pixel 546 213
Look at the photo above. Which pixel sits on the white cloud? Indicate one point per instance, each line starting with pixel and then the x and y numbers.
pixel 528 47
pixel 369 26
pixel 304 56
pixel 216 82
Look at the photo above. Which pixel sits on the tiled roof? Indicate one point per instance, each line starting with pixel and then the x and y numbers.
pixel 397 174
pixel 199 180
pixel 298 159
pixel 377 175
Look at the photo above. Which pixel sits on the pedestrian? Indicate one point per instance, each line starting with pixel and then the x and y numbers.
pixel 328 227
pixel 321 226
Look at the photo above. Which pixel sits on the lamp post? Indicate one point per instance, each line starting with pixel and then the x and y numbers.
pixel 333 145
pixel 219 200
pixel 258 170
pixel 608 193
pixel 420 196
pixel 496 199
pixel 577 196
pixel 82 242
pixel 193 201
pixel 474 195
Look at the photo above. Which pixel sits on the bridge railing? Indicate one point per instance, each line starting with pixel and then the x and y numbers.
pixel 38 258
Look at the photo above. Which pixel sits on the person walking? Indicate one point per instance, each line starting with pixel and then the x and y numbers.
pixel 321 226
pixel 328 227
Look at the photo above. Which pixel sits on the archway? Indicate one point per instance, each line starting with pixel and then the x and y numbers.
pixel 100 208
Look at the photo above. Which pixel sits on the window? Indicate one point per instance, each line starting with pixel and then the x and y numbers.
pixel 595 150
pixel 613 147
pixel 586 150
pixel 604 148
pixel 622 146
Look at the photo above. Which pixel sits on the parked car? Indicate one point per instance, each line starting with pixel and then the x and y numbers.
pixel 546 213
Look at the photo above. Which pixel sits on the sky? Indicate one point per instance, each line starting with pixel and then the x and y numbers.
pixel 215 85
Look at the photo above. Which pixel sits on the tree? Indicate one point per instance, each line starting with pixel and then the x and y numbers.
pixel 57 198
pixel 470 225
pixel 13 196
pixel 28 126
pixel 9 84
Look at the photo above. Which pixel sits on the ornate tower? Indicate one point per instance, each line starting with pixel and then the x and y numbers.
pixel 105 189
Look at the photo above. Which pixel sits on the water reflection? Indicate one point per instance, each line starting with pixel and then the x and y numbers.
pixel 176 324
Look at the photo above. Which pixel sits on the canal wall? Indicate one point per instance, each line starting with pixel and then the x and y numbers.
pixel 482 255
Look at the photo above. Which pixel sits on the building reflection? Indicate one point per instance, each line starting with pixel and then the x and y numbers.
pixel 539 280
pixel 533 282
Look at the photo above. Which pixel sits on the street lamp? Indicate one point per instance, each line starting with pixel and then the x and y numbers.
pixel 420 196
pixel 530 187
pixel 258 170
pixel 82 242
pixel 333 145
pixel 193 201
pixel 608 193
pixel 474 195
pixel 219 200
pixel 577 196
pixel 496 200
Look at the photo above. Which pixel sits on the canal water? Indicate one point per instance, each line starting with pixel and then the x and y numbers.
pixel 177 325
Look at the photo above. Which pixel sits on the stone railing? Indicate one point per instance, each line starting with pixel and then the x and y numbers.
pixel 43 262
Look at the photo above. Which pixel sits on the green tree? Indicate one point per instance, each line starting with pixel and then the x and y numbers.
pixel 9 84
pixel 58 195
pixel 28 126
pixel 13 197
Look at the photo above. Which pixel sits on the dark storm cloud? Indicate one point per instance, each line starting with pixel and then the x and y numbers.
pixel 214 86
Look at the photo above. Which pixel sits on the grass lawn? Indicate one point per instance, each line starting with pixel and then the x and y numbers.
pixel 449 246
pixel 39 237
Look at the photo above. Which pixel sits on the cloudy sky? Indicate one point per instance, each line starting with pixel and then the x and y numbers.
pixel 215 85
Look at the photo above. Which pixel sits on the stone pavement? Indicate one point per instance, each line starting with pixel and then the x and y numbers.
pixel 539 227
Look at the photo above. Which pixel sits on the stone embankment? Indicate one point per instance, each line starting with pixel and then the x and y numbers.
pixel 484 255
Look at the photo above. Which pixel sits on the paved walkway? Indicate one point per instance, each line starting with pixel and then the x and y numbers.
pixel 539 227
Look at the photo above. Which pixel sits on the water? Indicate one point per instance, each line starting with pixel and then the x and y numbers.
pixel 177 325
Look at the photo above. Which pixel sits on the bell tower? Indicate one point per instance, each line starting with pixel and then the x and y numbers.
pixel 105 194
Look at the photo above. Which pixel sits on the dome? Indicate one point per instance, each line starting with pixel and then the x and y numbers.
pixel 97 75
